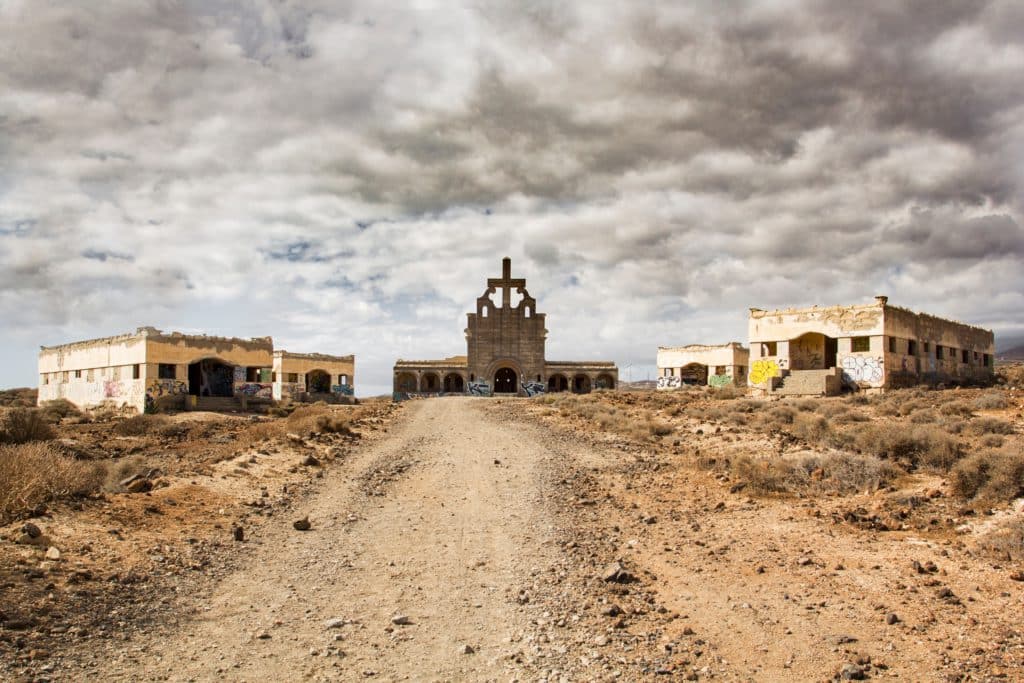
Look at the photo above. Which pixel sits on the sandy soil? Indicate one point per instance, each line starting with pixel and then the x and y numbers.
pixel 477 540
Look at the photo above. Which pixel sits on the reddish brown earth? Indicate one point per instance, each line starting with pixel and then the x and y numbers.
pixel 492 526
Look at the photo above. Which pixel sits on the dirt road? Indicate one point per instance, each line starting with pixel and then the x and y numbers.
pixel 440 545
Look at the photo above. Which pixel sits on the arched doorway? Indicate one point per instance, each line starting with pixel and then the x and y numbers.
pixel 557 383
pixel 813 351
pixel 581 384
pixel 506 381
pixel 605 381
pixel 430 383
pixel 694 374
pixel 211 377
pixel 405 382
pixel 318 382
pixel 454 384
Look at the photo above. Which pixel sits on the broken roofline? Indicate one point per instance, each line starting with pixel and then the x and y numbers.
pixel 314 356
pixel 154 333
pixel 580 363
pixel 879 302
pixel 705 347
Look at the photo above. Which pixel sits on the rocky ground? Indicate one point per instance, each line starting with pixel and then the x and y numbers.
pixel 505 539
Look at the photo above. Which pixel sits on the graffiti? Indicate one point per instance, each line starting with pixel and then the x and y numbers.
pixel 239 373
pixel 111 388
pixel 479 388
pixel 343 389
pixel 255 389
pixel 719 381
pixel 289 390
pixel 166 387
pixel 858 369
pixel 533 388
pixel 762 370
pixel 670 382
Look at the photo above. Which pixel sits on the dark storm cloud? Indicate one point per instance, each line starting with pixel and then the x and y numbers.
pixel 316 166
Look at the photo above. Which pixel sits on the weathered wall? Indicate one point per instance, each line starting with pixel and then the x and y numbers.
pixel 701 363
pixel 340 368
pixel 105 368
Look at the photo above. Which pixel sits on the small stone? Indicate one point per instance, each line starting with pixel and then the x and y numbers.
pixel 337 622
pixel 401 620
pixel 892 618
pixel 687 631
pixel 31 530
pixel 466 650
pixel 238 533
pixel 612 611
pixel 52 553
pixel 302 524
pixel 852 672
pixel 310 461
pixel 1017 576
pixel 804 561
pixel 263 635
pixel 140 486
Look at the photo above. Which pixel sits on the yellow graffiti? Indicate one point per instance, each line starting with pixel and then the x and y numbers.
pixel 761 370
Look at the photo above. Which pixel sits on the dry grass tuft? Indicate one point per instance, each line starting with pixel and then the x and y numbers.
pixel 35 473
pixel 990 425
pixel 22 425
pixel 989 476
pixel 1006 541
pixel 141 425
pixel 991 400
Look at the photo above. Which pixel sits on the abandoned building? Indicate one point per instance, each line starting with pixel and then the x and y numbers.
pixel 819 351
pixel 153 368
pixel 724 365
pixel 505 353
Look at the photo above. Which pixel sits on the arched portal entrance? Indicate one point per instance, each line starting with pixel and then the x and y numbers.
pixel 405 382
pixel 695 374
pixel 581 384
pixel 557 383
pixel 605 381
pixel 430 383
pixel 812 351
pixel 318 382
pixel 211 377
pixel 454 384
pixel 506 381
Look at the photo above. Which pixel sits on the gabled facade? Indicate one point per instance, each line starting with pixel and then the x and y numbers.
pixel 505 353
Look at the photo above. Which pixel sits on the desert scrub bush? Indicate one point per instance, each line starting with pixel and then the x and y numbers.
pixel 775 475
pixel 923 416
pixel 810 427
pixel 857 398
pixel 990 425
pixel 807 405
pixel 1005 541
pixel 121 469
pixel 929 445
pixel 22 425
pixel 747 406
pixel 907 407
pixel 953 426
pixel 956 408
pixel 35 473
pixel 141 425
pixel 992 440
pixel 779 415
pixel 887 410
pixel 989 476
pixel 56 410
pixel 991 400
pixel 659 428
pixel 725 394
pixel 848 472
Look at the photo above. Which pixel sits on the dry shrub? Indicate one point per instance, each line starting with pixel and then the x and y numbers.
pixel 887 410
pixel 659 428
pixel 907 407
pixel 320 417
pixel 141 425
pixel 992 440
pixel 35 473
pixel 726 394
pixel 808 405
pixel 849 472
pixel 991 400
pixel 122 469
pixel 761 477
pixel 990 425
pixel 780 415
pixel 1011 374
pixel 989 476
pixel 56 410
pixel 810 427
pixel 1005 541
pixel 22 425
pixel 954 426
pixel 956 408
pixel 857 399
pixel 923 417
pixel 930 446
pixel 19 398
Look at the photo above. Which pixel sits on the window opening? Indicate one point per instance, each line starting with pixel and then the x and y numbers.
pixel 166 371
pixel 860 344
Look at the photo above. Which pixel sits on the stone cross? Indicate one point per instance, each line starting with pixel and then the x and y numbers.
pixel 506 282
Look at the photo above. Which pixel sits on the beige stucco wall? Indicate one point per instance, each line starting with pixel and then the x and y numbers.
pixel 340 368
pixel 106 368
pixel 733 359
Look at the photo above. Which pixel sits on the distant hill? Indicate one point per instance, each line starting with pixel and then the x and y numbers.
pixel 1016 353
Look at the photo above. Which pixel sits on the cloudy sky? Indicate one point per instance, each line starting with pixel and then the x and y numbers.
pixel 344 176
